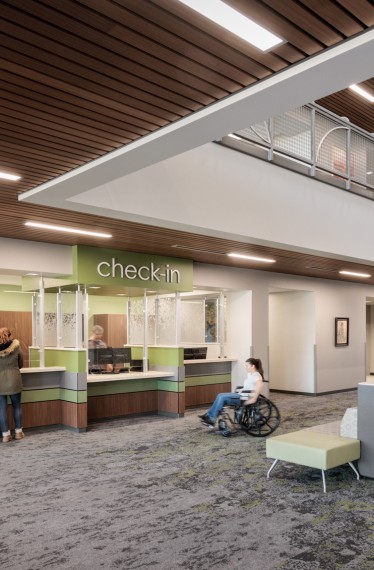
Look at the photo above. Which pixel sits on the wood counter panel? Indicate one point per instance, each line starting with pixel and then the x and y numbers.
pixel 199 395
pixel 114 405
pixel 37 414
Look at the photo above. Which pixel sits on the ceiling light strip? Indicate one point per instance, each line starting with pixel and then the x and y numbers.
pixel 251 257
pixel 354 274
pixel 7 176
pixel 235 22
pixel 66 229
pixel 362 92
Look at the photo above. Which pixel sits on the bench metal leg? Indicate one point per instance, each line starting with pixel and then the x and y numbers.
pixel 324 481
pixel 355 470
pixel 271 468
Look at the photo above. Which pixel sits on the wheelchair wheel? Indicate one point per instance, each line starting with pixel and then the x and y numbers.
pixel 261 419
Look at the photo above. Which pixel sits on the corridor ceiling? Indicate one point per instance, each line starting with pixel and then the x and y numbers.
pixel 84 78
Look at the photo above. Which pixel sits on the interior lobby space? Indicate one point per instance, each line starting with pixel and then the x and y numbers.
pixel 177 199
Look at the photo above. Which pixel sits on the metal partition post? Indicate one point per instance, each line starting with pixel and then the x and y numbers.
pixel 41 323
pixel 348 158
pixel 78 317
pixel 221 325
pixel 271 136
pixel 34 319
pixel 85 318
pixel 59 318
pixel 312 171
pixel 177 318
pixel 145 340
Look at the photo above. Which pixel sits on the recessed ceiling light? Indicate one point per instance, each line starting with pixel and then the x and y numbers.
pixel 354 274
pixel 362 92
pixel 7 176
pixel 235 22
pixel 94 287
pixel 251 257
pixel 66 229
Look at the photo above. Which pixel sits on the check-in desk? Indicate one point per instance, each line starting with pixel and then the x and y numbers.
pixel 204 379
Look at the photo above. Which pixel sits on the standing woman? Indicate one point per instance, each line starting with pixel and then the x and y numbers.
pixel 11 360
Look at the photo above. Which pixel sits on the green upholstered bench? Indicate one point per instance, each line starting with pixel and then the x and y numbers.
pixel 313 449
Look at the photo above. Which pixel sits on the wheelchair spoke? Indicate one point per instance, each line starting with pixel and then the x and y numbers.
pixel 261 419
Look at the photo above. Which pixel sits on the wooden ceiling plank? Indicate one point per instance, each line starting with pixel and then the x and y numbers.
pixel 106 68
pixel 109 89
pixel 363 10
pixel 128 41
pixel 214 39
pixel 167 46
pixel 264 14
pixel 302 17
pixel 338 17
pixel 82 95
pixel 63 124
pixel 28 89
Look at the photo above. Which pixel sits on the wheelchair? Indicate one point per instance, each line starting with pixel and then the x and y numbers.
pixel 258 420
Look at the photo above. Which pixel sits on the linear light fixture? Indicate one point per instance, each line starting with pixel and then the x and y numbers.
pixel 362 92
pixel 7 176
pixel 235 22
pixel 354 274
pixel 67 230
pixel 251 257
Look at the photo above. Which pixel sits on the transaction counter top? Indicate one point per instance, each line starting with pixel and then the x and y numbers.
pixel 41 370
pixel 98 378
pixel 209 360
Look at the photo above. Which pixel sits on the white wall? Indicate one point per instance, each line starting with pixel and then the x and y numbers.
pixel 337 368
pixel 20 257
pixel 292 339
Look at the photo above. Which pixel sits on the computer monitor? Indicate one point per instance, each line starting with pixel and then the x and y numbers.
pixel 188 354
pixel 99 358
pixel 122 355
pixel 201 352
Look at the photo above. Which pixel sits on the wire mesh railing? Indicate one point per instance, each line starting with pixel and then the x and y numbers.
pixel 327 146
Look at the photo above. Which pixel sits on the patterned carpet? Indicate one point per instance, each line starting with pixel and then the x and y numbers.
pixel 158 493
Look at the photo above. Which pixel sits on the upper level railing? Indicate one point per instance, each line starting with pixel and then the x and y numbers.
pixel 314 142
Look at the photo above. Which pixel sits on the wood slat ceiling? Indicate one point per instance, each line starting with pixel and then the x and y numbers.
pixel 81 78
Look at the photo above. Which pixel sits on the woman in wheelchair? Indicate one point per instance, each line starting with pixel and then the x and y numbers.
pixel 252 384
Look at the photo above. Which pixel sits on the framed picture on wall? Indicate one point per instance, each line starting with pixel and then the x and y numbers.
pixel 341 331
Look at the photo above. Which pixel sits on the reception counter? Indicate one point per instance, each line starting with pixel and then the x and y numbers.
pixel 69 397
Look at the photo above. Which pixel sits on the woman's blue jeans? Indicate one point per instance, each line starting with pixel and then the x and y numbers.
pixel 224 399
pixel 17 411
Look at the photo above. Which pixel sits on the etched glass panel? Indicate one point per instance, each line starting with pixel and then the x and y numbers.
pixel 136 320
pixel 69 319
pixel 192 321
pixel 166 321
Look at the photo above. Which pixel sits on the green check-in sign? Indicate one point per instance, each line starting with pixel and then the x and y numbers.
pixel 97 266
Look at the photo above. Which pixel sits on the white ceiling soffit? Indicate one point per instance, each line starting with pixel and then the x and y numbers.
pixel 334 69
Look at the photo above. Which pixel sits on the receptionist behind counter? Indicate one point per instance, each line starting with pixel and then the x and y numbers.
pixel 96 341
